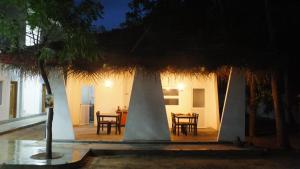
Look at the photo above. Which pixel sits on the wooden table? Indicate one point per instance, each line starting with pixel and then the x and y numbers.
pixel 111 116
pixel 184 125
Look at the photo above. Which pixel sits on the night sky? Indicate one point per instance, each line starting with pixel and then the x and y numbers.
pixel 114 13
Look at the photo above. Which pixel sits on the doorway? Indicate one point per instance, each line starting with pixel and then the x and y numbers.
pixel 87 104
pixel 13 99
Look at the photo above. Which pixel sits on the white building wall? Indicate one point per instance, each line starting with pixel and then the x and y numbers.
pixel 29 94
pixel 6 77
pixel 106 99
pixel 73 89
pixel 209 114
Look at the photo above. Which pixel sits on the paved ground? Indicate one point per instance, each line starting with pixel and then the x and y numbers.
pixel 35 132
pixel 192 162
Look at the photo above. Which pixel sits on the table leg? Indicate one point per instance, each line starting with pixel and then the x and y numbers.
pixel 108 128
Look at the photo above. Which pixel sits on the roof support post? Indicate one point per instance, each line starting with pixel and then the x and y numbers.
pixel 147 119
pixel 62 125
pixel 232 125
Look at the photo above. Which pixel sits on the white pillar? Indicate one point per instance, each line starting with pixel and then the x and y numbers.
pixel 233 116
pixel 62 125
pixel 147 119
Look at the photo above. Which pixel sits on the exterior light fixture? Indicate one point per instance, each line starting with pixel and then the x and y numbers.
pixel 108 83
pixel 181 86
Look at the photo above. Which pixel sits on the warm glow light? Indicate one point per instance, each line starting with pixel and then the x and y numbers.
pixel 181 86
pixel 108 83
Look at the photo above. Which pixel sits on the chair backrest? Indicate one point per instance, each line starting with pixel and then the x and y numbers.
pixel 98 116
pixel 173 117
pixel 119 118
pixel 196 115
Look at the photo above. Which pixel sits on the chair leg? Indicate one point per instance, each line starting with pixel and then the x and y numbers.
pixel 174 129
pixel 98 128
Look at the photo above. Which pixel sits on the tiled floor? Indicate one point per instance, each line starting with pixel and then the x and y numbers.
pixel 88 133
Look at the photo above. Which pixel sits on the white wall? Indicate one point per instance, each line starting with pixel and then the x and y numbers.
pixel 209 114
pixel 29 94
pixel 106 99
pixel 4 107
pixel 6 77
pixel 73 89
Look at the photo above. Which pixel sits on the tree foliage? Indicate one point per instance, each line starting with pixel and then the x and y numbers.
pixel 240 28
pixel 66 28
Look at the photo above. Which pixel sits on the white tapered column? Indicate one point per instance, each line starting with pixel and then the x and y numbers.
pixel 233 116
pixel 147 119
pixel 62 125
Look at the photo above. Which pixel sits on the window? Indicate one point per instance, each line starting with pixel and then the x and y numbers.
pixel 171 101
pixel 198 98
pixel 1 86
pixel 170 92
pixel 171 96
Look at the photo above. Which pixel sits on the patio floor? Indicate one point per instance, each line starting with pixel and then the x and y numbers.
pixel 88 133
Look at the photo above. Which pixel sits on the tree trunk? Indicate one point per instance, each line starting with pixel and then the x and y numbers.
pixel 282 137
pixel 252 108
pixel 50 112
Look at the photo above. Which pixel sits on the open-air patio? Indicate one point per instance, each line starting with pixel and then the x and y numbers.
pixel 88 133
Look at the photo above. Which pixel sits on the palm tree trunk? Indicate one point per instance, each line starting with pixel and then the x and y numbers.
pixel 50 113
pixel 282 137
pixel 252 109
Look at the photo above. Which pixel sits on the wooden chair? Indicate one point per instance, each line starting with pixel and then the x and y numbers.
pixel 194 123
pixel 179 126
pixel 101 123
pixel 173 123
pixel 117 123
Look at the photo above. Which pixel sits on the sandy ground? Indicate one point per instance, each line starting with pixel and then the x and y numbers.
pixel 191 162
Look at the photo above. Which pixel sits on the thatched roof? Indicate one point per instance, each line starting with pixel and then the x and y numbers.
pixel 158 50
pixel 125 49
